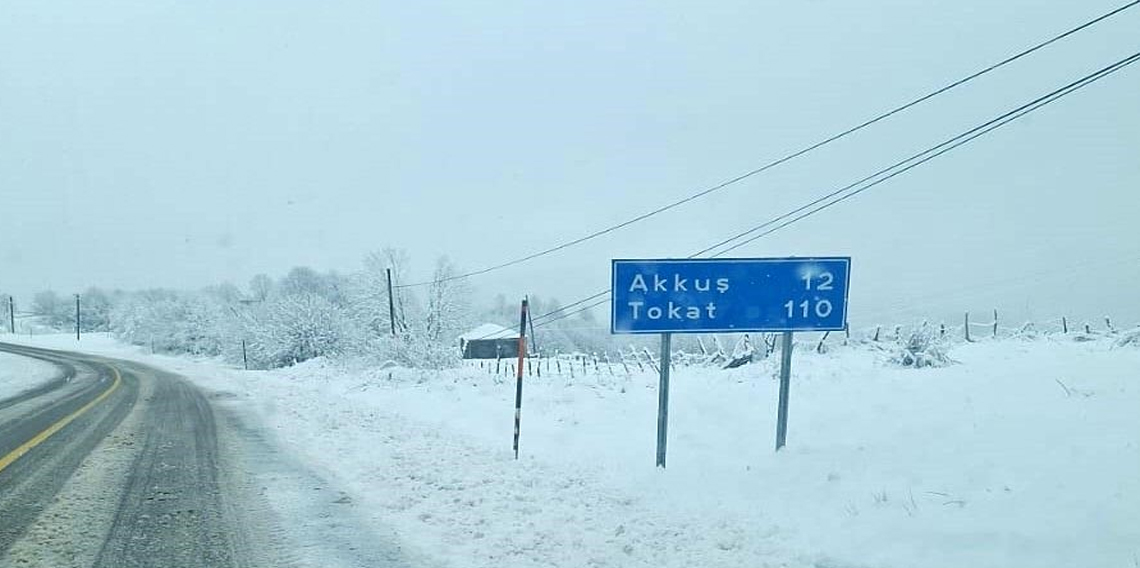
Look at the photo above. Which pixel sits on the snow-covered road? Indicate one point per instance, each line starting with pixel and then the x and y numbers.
pixel 1024 453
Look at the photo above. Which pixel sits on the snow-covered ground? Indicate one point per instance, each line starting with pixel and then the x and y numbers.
pixel 1026 453
pixel 18 374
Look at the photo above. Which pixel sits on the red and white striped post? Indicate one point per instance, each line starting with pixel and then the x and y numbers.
pixel 519 374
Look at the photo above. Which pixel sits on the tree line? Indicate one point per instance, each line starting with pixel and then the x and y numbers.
pixel 304 314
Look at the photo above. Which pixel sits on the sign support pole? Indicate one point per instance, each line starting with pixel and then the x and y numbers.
pixel 785 384
pixel 663 399
pixel 519 375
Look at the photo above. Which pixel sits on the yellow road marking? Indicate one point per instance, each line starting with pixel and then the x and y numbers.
pixel 51 430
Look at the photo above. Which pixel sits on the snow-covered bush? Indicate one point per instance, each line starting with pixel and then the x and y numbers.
pixel 923 347
pixel 1130 338
pixel 170 321
pixel 1028 331
pixel 298 327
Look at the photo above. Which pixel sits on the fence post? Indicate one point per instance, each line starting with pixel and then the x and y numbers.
pixel 942 329
pixel 1108 324
pixel 819 347
pixel 877 328
pixel 995 322
pixel 1064 325
pixel 649 357
pixel 967 327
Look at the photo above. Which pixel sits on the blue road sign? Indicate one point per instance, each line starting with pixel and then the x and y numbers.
pixel 729 295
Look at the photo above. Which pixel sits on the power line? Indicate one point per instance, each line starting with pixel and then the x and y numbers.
pixel 568 306
pixel 786 158
pixel 942 148
pixel 889 172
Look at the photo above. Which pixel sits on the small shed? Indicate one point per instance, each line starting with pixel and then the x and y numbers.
pixel 489 341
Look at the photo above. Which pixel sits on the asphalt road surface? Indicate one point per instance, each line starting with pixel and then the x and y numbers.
pixel 114 464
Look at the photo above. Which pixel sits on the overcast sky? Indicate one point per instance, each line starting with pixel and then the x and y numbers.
pixel 156 143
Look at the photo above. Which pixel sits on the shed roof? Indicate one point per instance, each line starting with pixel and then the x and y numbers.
pixel 489 331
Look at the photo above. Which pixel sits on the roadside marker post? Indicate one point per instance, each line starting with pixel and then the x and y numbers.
pixel 519 375
pixel 784 295
pixel 77 317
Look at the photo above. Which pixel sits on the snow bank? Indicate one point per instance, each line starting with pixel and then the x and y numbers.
pixel 1022 454
pixel 19 374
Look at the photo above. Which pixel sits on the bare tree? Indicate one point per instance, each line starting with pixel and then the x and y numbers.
pixel 449 302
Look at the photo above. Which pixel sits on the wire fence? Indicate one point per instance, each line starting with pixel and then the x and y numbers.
pixel 713 351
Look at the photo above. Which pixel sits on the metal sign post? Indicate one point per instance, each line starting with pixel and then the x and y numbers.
pixel 785 385
pixel 737 295
pixel 663 399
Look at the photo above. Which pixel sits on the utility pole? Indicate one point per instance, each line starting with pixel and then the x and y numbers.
pixel 391 302
pixel 77 317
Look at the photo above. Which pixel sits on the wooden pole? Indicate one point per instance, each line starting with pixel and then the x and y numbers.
pixel 391 302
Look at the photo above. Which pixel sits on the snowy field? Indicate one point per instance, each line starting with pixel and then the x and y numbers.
pixel 1025 453
pixel 18 374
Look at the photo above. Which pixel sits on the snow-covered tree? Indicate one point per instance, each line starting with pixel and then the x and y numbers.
pixel 53 310
pixel 260 287
pixel 94 310
pixel 448 303
pixel 298 327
